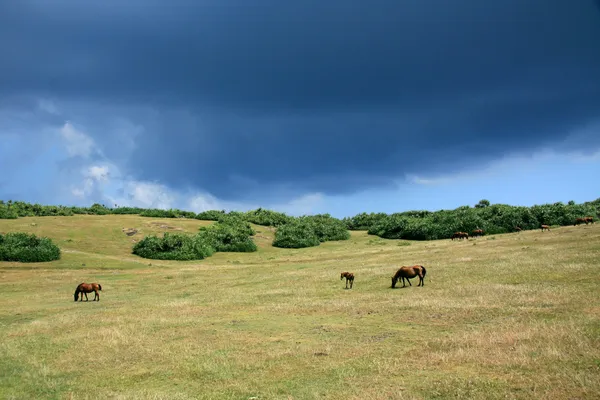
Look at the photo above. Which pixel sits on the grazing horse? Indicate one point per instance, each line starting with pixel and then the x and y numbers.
pixel 460 235
pixel 477 232
pixel 408 273
pixel 349 278
pixel 545 227
pixel 590 219
pixel 518 228
pixel 85 288
pixel 583 220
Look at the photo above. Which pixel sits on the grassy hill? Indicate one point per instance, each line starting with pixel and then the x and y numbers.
pixel 504 316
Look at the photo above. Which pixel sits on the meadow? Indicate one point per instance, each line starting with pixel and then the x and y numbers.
pixel 513 315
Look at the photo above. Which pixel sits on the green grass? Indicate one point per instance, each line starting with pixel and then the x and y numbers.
pixel 513 317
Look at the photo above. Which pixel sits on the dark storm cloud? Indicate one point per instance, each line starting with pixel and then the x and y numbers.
pixel 332 96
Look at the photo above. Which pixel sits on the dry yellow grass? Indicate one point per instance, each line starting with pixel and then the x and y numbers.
pixel 508 316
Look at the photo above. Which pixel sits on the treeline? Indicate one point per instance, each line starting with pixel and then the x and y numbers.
pixel 308 231
pixel 493 219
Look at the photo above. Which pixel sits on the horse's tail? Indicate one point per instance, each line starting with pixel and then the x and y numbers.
pixel 99 287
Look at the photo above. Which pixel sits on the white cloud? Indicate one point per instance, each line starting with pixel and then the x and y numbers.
pixel 77 142
pixel 98 173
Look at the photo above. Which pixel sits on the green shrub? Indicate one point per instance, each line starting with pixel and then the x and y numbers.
pixel 26 247
pixel 210 215
pixel 127 210
pixel 267 217
pixel 231 233
pixel 228 237
pixel 297 234
pixel 327 228
pixel 7 213
pixel 237 222
pixel 171 213
pixel 363 221
pixel 173 246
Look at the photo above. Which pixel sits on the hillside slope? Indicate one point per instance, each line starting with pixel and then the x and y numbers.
pixel 512 315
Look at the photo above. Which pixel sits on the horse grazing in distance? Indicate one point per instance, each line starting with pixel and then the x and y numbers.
pixel 590 219
pixel 545 227
pixel 583 220
pixel 477 232
pixel 518 229
pixel 85 288
pixel 349 278
pixel 408 273
pixel 460 235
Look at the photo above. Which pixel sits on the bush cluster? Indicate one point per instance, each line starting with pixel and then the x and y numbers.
pixel 211 215
pixel 26 247
pixel 173 246
pixel 267 217
pixel 493 219
pixel 309 231
pixel 230 234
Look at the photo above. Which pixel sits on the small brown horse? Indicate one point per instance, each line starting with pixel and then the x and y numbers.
pixel 545 227
pixel 590 219
pixel 85 288
pixel 582 221
pixel 460 235
pixel 349 278
pixel 518 228
pixel 408 273
pixel 477 232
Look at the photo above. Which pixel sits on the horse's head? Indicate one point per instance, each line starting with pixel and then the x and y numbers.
pixel 76 295
pixel 394 280
pixel 341 276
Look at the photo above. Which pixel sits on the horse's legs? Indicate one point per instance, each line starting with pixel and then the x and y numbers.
pixel 351 283
pixel 86 298
pixel 96 295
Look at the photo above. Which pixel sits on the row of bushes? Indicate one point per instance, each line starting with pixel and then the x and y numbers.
pixel 17 209
pixel 24 247
pixel 493 219
pixel 295 232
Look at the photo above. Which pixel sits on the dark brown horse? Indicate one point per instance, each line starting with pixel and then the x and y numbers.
pixel 349 278
pixel 590 219
pixel 85 288
pixel 545 227
pixel 477 232
pixel 460 235
pixel 408 273
pixel 579 221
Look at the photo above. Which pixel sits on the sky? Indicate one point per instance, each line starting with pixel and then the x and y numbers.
pixel 304 107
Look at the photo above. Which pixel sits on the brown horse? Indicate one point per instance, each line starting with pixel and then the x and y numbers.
pixel 583 220
pixel 518 228
pixel 460 235
pixel 408 273
pixel 477 232
pixel 349 278
pixel 545 227
pixel 85 288
pixel 590 219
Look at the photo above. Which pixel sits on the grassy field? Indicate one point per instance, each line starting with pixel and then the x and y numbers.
pixel 506 316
